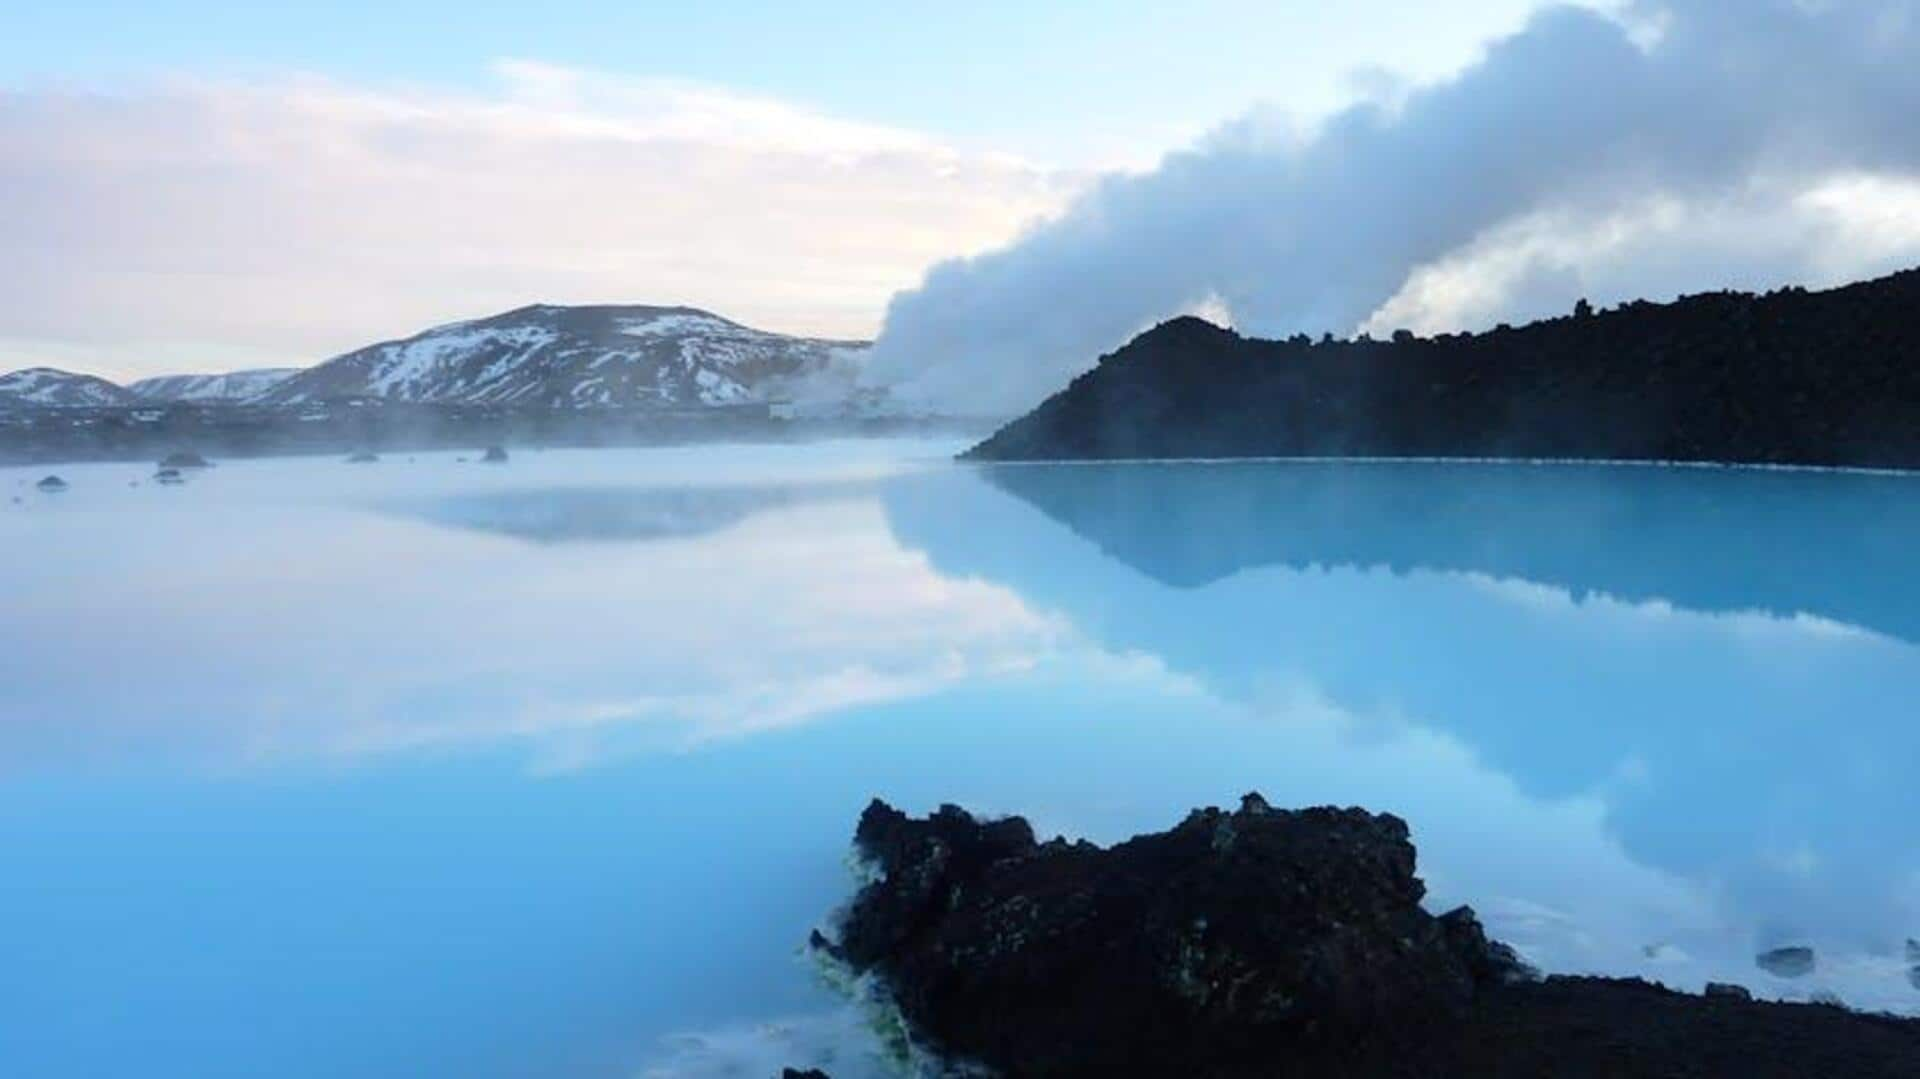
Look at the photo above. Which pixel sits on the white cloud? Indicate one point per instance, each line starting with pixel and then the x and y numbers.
pixel 1826 232
pixel 284 221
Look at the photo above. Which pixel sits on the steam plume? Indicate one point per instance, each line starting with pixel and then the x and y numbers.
pixel 1694 99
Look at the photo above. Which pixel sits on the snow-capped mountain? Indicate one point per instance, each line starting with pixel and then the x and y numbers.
pixel 237 387
pixel 44 387
pixel 583 357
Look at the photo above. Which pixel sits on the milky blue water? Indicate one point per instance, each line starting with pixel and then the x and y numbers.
pixel 430 767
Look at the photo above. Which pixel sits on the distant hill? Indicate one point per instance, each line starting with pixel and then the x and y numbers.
pixel 236 387
pixel 1826 378
pixel 45 387
pixel 546 356
pixel 658 359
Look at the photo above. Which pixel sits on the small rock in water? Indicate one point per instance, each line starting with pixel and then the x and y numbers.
pixel 172 477
pixel 52 484
pixel 185 459
pixel 495 455
pixel 796 1073
pixel 1795 962
pixel 1728 991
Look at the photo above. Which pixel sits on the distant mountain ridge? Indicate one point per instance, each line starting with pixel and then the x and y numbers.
pixel 580 357
pixel 1791 377
pixel 47 387
pixel 236 387
pixel 544 356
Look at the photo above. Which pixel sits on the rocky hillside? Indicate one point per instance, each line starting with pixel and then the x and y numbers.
pixel 44 387
pixel 238 387
pixel 1827 378
pixel 580 358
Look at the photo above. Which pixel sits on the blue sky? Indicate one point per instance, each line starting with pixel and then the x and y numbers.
pixel 1071 80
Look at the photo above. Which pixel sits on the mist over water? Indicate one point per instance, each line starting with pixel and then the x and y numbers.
pixel 433 768
pixel 1579 114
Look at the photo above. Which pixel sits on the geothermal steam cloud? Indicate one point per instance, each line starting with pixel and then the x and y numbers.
pixel 1579 112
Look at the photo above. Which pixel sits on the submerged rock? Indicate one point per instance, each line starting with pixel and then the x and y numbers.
pixel 364 457
pixel 1796 962
pixel 52 484
pixel 1265 942
pixel 185 459
pixel 495 455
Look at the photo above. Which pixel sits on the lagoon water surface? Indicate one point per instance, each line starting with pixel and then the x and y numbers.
pixel 431 767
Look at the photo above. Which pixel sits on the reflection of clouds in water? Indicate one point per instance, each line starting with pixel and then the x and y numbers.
pixel 1755 623
pixel 837 1042
pixel 1774 776
pixel 615 515
pixel 310 629
pixel 1548 874
pixel 1530 733
pixel 1730 746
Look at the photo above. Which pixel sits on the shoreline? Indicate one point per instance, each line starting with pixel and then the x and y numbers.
pixel 1533 462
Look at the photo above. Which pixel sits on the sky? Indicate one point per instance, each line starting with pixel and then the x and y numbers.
pixel 997 193
pixel 197 186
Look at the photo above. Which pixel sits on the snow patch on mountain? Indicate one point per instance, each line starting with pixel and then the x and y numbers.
pixel 666 358
pixel 45 387
pixel 666 325
pixel 235 387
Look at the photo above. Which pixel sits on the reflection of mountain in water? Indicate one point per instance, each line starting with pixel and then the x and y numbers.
pixel 613 514
pixel 1701 539
pixel 1753 754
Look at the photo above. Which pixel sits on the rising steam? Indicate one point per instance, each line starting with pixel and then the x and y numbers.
pixel 1700 100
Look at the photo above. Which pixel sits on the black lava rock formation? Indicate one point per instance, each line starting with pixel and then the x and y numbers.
pixel 1791 377
pixel 1269 943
